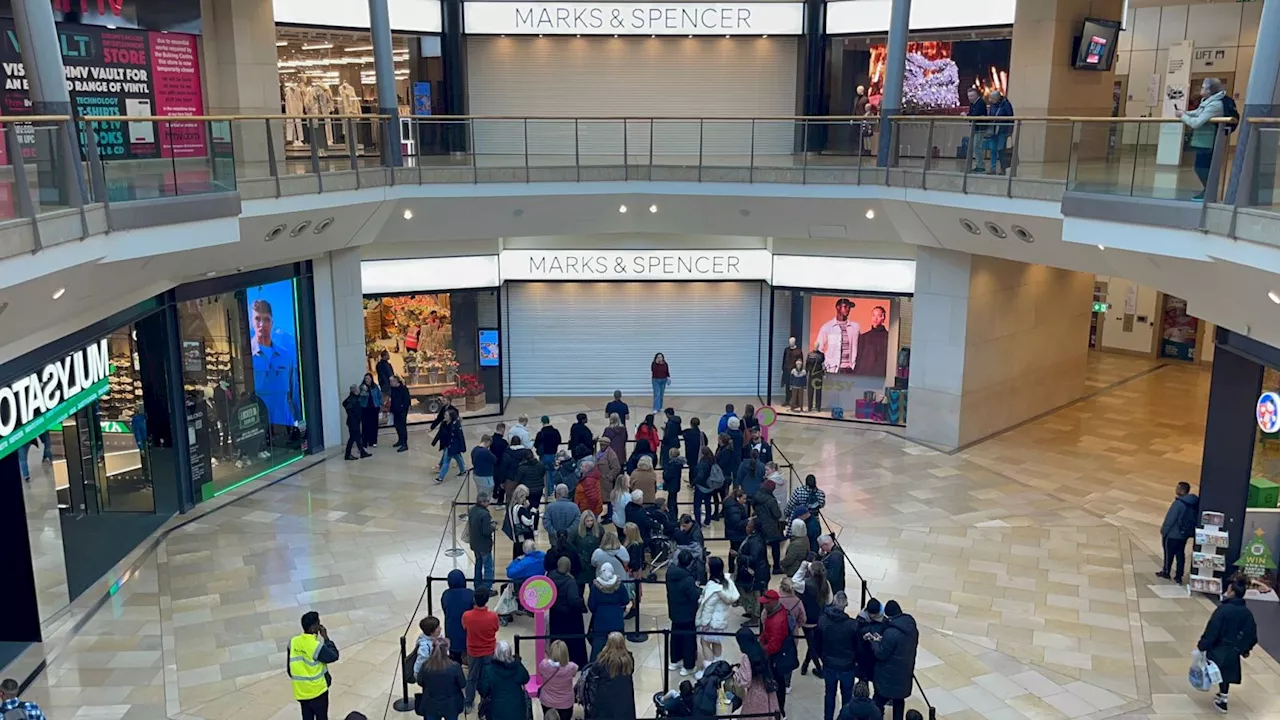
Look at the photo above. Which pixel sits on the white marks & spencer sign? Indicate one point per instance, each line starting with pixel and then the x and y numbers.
pixel 638 265
pixel 574 18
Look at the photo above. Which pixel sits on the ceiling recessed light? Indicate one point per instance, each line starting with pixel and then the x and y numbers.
pixel 653 208
pixel 622 208
pixel 281 43
pixel 408 214
pixel 764 36
pixel 59 293
pixel 871 214
pixel 211 273
pixel 1274 297
pixel 690 37
pixel 726 37
pixel 1102 247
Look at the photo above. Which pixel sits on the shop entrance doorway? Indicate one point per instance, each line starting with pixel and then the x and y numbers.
pixel 104 466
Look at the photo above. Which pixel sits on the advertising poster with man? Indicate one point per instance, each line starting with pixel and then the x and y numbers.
pixel 850 337
pixel 274 346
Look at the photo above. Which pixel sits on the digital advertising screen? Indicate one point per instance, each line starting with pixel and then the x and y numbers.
pixel 274 344
pixel 490 349
pixel 852 332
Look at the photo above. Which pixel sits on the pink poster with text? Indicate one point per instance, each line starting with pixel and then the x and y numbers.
pixel 175 73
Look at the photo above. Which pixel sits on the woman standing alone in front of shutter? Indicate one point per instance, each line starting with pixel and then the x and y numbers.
pixel 661 375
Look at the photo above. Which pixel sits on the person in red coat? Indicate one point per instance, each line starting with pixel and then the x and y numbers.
pixel 647 431
pixel 779 645
pixel 587 494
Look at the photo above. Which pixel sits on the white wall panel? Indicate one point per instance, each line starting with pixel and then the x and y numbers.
pixel 1146 28
pixel 631 77
pixel 1173 25
pixel 1215 25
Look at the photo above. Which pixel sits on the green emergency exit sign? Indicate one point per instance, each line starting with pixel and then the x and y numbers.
pixel 1101 307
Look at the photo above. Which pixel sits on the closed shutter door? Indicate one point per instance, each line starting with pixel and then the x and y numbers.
pixel 740 77
pixel 594 338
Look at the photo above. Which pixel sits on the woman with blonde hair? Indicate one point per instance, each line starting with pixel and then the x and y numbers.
pixel 521 521
pixel 557 673
pixel 645 479
pixel 442 684
pixel 635 564
pixel 612 553
pixel 585 539
pixel 614 687
pixel 619 500
pixel 797 549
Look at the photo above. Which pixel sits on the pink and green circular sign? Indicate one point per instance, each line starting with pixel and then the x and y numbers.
pixel 538 593
pixel 767 416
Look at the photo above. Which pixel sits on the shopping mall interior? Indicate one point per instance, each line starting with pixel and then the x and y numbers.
pixel 981 284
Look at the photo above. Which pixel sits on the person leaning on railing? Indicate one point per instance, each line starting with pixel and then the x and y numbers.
pixel 1203 132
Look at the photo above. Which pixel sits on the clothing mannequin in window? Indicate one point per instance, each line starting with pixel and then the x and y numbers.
pixel 293 106
pixel 349 99
pixel 815 365
pixel 790 355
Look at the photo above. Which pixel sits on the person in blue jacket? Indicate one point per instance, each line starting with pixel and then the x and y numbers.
pixel 608 603
pixel 455 601
pixel 724 419
pixel 1179 525
pixel 530 563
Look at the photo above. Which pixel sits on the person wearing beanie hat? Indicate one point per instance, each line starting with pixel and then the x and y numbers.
pixel 608 605
pixel 895 650
pixel 869 622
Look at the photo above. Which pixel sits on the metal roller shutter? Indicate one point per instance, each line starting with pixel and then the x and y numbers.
pixel 640 77
pixel 594 338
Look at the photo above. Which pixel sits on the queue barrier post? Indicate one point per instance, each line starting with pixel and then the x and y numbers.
pixel 403 703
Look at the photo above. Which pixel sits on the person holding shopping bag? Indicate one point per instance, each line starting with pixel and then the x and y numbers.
pixel 1229 636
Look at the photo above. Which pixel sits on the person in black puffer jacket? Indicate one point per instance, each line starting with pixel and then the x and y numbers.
pixel 836 643
pixel 870 623
pixel 1230 635
pixel 895 649
pixel 682 606
pixel 532 474
pixel 752 574
pixel 735 523
pixel 769 522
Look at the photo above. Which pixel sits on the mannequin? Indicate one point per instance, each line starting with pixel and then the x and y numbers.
pixel 349 99
pixel 814 364
pixel 790 355
pixel 293 106
pixel 798 382
pixel 318 101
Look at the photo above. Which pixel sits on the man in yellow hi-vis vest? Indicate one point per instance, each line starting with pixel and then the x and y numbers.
pixel 308 667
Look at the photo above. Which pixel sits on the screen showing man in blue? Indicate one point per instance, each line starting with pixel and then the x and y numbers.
pixel 275 351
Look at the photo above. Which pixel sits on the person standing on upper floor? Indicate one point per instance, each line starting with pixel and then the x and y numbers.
pixel 547 442
pixel 769 521
pixel 895 649
pixel 355 430
pixel 1204 133
pixel 751 473
pixel 480 531
pixel 752 572
pixel 616 434
pixel 671 432
pixel 832 556
pixel 307 665
pixel 456 601
pixel 661 375
pixel 735 523
pixel 836 645
pixel 521 430
pixel 399 402
pixel 870 623
pixel 694 440
pixel 11 706
pixel 723 425
pixel 384 370
pixel 1179 525
pixel 806 503
pixel 977 108
pixel 998 133
pixel 484 465
pixel 1230 635
pixel 580 434
pixel 455 450
pixel 370 409
pixel 562 515
pixel 501 684
pixel 682 607
pixel 673 472
pixel 608 605
pixel 619 408
pixel 498 445
pixel 443 685
pixel 645 479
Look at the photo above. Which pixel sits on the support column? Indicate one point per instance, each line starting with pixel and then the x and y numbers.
pixel 41 57
pixel 384 65
pixel 1042 81
pixel 994 343
pixel 453 52
pixel 1260 100
pixel 1230 429
pixel 895 70
pixel 339 335
pixel 238 46
pixel 814 101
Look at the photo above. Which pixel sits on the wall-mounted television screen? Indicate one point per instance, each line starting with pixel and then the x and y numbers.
pixel 1097 47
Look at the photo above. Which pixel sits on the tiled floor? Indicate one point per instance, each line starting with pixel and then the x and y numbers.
pixel 1027 560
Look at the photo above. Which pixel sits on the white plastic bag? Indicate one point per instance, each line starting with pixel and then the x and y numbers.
pixel 507 601
pixel 1198 674
pixel 1214 673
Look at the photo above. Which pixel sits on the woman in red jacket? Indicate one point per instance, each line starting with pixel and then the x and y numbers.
pixel 779 645
pixel 647 431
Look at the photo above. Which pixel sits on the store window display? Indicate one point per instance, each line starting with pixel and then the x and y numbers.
pixel 243 383
pixel 434 343
pixel 855 359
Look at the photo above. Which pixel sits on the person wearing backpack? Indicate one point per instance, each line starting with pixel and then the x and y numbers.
pixel 13 708
pixel 1203 132
pixel 1179 525
pixel 702 490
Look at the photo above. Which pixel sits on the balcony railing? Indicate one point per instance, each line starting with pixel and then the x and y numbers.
pixel 53 167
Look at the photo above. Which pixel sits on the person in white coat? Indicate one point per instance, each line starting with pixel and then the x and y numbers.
pixel 718 596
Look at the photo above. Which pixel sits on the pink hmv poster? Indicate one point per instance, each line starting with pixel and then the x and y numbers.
pixel 175 73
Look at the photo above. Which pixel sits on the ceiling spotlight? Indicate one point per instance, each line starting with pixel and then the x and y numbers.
pixel 653 208
pixel 1274 297
pixel 281 43
pixel 622 208
pixel 318 46
pixel 1102 247
pixel 211 273
pixel 59 293
pixel 408 214
pixel 726 37
pixel 690 37
pixel 764 36
pixel 871 214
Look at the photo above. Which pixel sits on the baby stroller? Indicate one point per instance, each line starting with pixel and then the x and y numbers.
pixel 701 700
